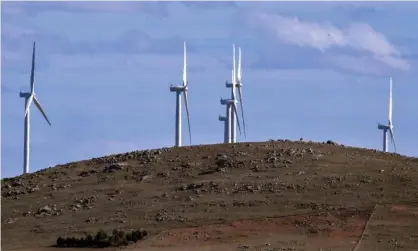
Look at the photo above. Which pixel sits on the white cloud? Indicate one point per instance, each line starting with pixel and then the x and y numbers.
pixel 361 64
pixel 322 36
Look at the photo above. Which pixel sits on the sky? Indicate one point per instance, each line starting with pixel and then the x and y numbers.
pixel 313 70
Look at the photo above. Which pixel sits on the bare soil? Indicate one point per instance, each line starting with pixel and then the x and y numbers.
pixel 276 195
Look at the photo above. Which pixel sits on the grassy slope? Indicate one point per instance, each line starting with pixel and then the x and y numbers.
pixel 189 186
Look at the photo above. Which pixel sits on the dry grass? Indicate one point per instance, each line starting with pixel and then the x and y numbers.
pixel 185 188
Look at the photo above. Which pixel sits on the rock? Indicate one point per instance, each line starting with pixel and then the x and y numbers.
pixel 91 220
pixel 113 168
pixel 256 169
pixel 191 186
pixel 221 169
pixel 17 183
pixel 286 161
pixel 44 210
pixel 33 189
pixel 27 213
pixel 290 152
pixel 160 217
pixel 330 142
pixel 163 174
pixel 145 177
pixel 87 173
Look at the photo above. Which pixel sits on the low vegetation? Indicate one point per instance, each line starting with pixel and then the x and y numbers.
pixel 102 239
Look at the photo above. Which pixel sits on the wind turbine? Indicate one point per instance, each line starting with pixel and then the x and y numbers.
pixel 231 112
pixel 223 119
pixel 179 90
pixel 236 83
pixel 239 85
pixel 389 127
pixel 29 97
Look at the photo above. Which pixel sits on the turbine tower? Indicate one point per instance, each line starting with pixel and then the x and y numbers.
pixel 389 127
pixel 179 90
pixel 223 119
pixel 29 97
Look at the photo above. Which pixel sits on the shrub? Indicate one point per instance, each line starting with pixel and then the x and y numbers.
pixel 129 237
pixel 60 242
pixel 101 236
pixel 89 238
pixel 102 239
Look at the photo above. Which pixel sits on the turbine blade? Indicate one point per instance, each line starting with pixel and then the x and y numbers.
pixel 233 63
pixel 242 110
pixel 390 101
pixel 40 109
pixel 30 99
pixel 392 138
pixel 239 65
pixel 234 107
pixel 32 72
pixel 233 85
pixel 184 65
pixel 188 116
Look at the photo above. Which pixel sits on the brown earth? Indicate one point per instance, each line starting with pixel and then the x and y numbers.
pixel 277 195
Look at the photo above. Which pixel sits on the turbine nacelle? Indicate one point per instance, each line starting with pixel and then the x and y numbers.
pixel 228 101
pixel 24 94
pixel 384 127
pixel 229 85
pixel 179 88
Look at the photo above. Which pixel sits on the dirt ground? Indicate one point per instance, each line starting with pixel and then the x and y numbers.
pixel 276 195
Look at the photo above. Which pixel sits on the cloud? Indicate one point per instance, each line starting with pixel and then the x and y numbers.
pixel 211 5
pixel 35 8
pixel 325 36
pixel 132 41
pixel 362 65
pixel 16 48
pixel 150 8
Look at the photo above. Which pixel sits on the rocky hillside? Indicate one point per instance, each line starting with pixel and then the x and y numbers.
pixel 193 186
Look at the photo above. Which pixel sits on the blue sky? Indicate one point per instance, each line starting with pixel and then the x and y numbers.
pixel 314 70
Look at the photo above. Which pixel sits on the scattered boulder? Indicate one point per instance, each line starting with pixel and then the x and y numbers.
pixel 330 142
pixel 191 186
pixel 83 203
pixel 46 210
pixel 223 161
pixel 113 168
pixel 87 173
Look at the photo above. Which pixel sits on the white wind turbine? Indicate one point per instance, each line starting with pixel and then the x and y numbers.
pixel 230 132
pixel 231 110
pixel 29 97
pixel 238 85
pixel 389 127
pixel 179 90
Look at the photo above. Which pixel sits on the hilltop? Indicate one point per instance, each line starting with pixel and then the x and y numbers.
pixel 276 195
